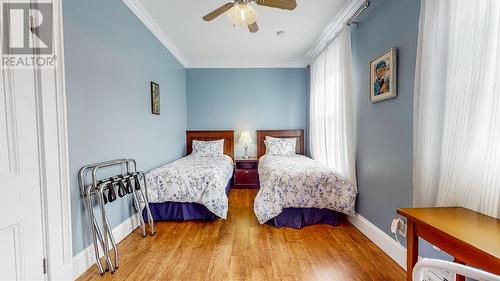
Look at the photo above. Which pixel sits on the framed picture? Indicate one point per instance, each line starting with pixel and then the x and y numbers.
pixel 155 98
pixel 383 76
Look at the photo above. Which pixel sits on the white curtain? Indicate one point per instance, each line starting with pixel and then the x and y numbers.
pixel 331 107
pixel 457 106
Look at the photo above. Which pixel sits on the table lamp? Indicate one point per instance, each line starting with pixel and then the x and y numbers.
pixel 245 138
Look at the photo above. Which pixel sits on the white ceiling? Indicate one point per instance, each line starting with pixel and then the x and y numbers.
pixel 219 44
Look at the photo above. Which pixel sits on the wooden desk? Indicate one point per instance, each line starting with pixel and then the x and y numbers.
pixel 472 238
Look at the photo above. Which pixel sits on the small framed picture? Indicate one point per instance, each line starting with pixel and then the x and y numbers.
pixel 155 98
pixel 383 76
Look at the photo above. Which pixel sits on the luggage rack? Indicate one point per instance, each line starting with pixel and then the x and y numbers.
pixel 103 191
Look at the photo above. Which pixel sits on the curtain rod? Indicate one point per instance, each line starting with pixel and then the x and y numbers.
pixel 352 19
pixel 349 22
pixel 358 12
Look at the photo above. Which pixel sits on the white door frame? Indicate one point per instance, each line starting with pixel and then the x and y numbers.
pixel 54 168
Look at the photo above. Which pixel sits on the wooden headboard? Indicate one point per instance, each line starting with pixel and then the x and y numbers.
pixel 227 136
pixel 297 134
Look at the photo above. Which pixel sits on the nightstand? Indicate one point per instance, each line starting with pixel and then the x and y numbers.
pixel 245 173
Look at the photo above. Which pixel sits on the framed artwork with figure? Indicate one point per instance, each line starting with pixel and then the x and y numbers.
pixel 155 98
pixel 383 76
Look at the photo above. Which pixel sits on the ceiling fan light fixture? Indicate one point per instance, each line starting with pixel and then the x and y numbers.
pixel 242 14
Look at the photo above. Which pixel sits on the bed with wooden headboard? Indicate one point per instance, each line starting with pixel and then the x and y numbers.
pixel 295 190
pixel 205 200
pixel 226 135
pixel 297 134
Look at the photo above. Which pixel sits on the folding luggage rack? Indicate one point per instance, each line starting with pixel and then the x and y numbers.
pixel 102 235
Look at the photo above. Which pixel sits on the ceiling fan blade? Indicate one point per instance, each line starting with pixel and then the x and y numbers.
pixel 253 27
pixel 281 4
pixel 219 11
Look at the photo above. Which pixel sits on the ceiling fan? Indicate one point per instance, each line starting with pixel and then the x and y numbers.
pixel 243 14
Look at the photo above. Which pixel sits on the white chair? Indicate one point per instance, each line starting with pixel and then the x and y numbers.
pixel 453 268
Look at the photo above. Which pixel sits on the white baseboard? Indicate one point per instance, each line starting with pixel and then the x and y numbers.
pixel 86 258
pixel 392 248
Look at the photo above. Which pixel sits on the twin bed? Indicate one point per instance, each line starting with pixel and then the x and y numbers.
pixel 295 190
pixel 193 187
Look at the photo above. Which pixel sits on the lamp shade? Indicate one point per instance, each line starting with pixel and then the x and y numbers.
pixel 245 137
pixel 242 14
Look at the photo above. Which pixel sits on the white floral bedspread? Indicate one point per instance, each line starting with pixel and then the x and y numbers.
pixel 192 179
pixel 300 182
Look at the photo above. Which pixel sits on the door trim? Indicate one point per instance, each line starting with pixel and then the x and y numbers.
pixel 54 160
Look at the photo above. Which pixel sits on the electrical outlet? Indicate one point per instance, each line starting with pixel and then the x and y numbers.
pixel 394 225
pixel 402 227
pixel 398 225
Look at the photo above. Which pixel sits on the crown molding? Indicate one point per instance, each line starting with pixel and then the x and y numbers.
pixel 327 35
pixel 149 22
pixel 332 30
pixel 248 65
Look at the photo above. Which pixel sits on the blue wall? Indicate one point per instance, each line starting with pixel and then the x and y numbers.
pixel 247 99
pixel 111 57
pixel 384 145
pixel 385 129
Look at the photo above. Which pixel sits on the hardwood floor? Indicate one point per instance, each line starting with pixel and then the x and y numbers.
pixel 242 249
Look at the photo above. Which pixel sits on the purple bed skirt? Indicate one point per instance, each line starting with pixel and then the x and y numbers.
pixel 300 217
pixel 178 211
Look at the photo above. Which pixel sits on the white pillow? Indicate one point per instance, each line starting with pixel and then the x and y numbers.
pixel 280 146
pixel 208 148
